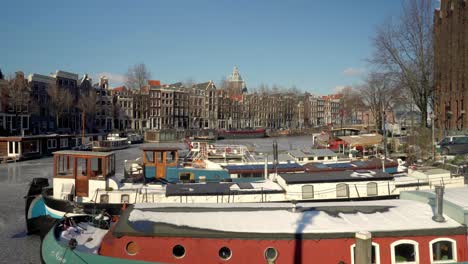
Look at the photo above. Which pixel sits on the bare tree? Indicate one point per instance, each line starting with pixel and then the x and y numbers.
pixel 405 48
pixel 61 100
pixel 137 76
pixel 87 103
pixel 351 103
pixel 379 93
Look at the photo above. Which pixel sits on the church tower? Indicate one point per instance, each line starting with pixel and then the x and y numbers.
pixel 236 85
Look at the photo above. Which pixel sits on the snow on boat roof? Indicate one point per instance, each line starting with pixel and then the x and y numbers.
pixel 222 188
pixel 386 217
pixel 458 196
pixel 335 176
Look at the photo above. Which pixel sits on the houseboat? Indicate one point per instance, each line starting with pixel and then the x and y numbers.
pixel 134 138
pixel 32 147
pixel 242 133
pixel 313 155
pixel 389 231
pixel 111 143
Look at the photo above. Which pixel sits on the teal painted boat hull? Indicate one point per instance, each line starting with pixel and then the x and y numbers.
pixel 54 252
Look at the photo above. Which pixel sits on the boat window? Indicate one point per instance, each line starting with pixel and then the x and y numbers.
pixel 125 198
pixel 342 190
pixel 160 156
pixel 96 167
pixel 443 250
pixel 51 143
pixel 307 192
pixel 185 176
pixel 320 158
pixel 178 251
pixel 104 198
pixel 64 166
pixel 405 251
pixel 372 189
pixel 271 254
pixel 149 156
pixel 225 253
pixel 132 248
pixel 171 156
pixel 30 146
pixel 375 253
pixel 81 166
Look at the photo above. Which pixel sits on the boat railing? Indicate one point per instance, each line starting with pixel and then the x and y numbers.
pixel 205 151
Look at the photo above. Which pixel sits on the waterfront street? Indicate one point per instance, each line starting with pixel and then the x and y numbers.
pixel 15 178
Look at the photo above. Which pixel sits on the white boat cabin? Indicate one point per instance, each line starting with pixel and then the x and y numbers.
pixel 313 155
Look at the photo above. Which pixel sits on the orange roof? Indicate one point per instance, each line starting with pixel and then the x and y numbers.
pixel 119 89
pixel 154 82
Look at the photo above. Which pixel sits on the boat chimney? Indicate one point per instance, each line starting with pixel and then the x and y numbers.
pixel 439 210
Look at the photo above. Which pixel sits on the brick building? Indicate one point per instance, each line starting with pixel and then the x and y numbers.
pixel 451 71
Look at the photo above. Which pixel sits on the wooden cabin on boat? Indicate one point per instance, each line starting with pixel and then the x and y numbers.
pixel 163 163
pixel 31 147
pixel 80 173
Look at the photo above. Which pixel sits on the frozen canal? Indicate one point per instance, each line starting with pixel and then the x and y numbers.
pixel 17 247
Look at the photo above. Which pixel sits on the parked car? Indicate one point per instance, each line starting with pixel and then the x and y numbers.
pixel 453 145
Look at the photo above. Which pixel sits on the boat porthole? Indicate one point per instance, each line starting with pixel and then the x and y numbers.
pixel 178 251
pixel 225 253
pixel 132 248
pixel 271 254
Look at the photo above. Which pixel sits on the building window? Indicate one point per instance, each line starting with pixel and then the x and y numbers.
pixel 13 148
pixel 64 143
pixel 443 250
pixel 404 251
pixel 51 143
pixel 342 190
pixel 375 253
pixel 307 192
pixel 372 189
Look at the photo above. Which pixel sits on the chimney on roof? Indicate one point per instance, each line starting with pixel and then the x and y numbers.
pixel 439 206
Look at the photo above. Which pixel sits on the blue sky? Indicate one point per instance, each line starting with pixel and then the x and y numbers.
pixel 315 45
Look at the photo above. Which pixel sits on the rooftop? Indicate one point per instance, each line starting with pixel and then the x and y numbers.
pixel 276 220
pixel 312 153
pixel 335 176
pixel 83 153
pixel 222 188
pixel 159 148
